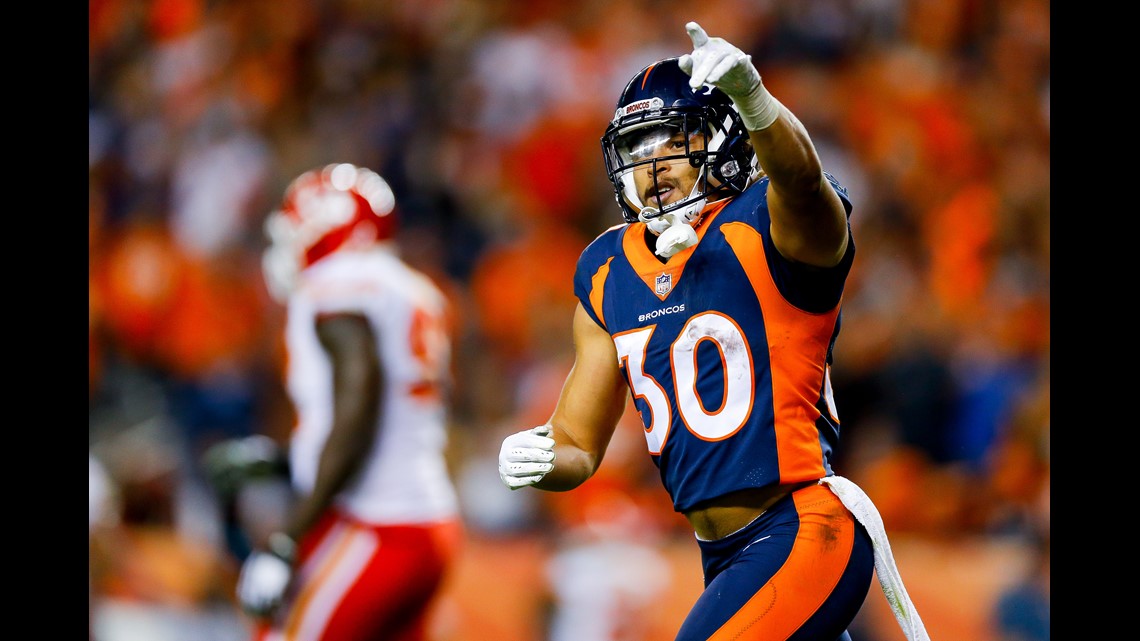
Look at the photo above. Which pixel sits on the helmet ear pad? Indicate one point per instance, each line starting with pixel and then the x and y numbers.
pixel 733 166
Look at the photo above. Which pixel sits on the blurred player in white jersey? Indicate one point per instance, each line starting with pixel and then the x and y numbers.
pixel 375 524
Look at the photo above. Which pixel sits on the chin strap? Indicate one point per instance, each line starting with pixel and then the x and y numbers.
pixel 673 229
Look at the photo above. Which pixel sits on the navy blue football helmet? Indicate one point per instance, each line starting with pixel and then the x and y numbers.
pixel 658 111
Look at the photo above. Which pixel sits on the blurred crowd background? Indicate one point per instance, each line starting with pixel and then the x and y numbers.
pixel 485 117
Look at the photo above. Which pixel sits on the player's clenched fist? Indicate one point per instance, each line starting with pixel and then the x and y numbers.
pixel 526 457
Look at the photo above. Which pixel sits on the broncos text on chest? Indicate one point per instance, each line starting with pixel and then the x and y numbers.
pixel 661 312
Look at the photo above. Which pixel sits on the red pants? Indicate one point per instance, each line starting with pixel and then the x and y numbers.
pixel 359 582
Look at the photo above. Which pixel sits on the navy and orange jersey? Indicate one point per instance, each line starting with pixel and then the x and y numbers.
pixel 726 349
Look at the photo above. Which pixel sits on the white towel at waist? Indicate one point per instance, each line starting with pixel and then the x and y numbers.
pixel 856 500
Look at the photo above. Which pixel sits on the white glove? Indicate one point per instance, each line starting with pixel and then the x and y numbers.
pixel 262 583
pixel 717 62
pixel 526 457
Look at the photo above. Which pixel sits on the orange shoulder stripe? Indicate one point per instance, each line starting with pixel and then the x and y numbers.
pixel 598 289
pixel 797 351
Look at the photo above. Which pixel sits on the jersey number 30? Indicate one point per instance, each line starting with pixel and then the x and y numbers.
pixel 736 370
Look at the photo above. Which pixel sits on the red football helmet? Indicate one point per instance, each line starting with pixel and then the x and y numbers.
pixel 325 210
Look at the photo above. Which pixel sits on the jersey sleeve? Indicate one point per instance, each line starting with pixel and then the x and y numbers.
pixel 842 191
pixel 591 271
pixel 814 289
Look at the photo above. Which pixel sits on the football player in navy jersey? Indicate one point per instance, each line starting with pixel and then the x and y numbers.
pixel 715 307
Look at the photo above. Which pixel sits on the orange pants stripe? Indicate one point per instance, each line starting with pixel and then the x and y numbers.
pixel 800 571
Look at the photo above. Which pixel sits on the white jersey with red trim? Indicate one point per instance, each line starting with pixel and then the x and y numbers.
pixel 405 477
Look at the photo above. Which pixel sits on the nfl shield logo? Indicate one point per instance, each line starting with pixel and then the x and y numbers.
pixel 664 284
